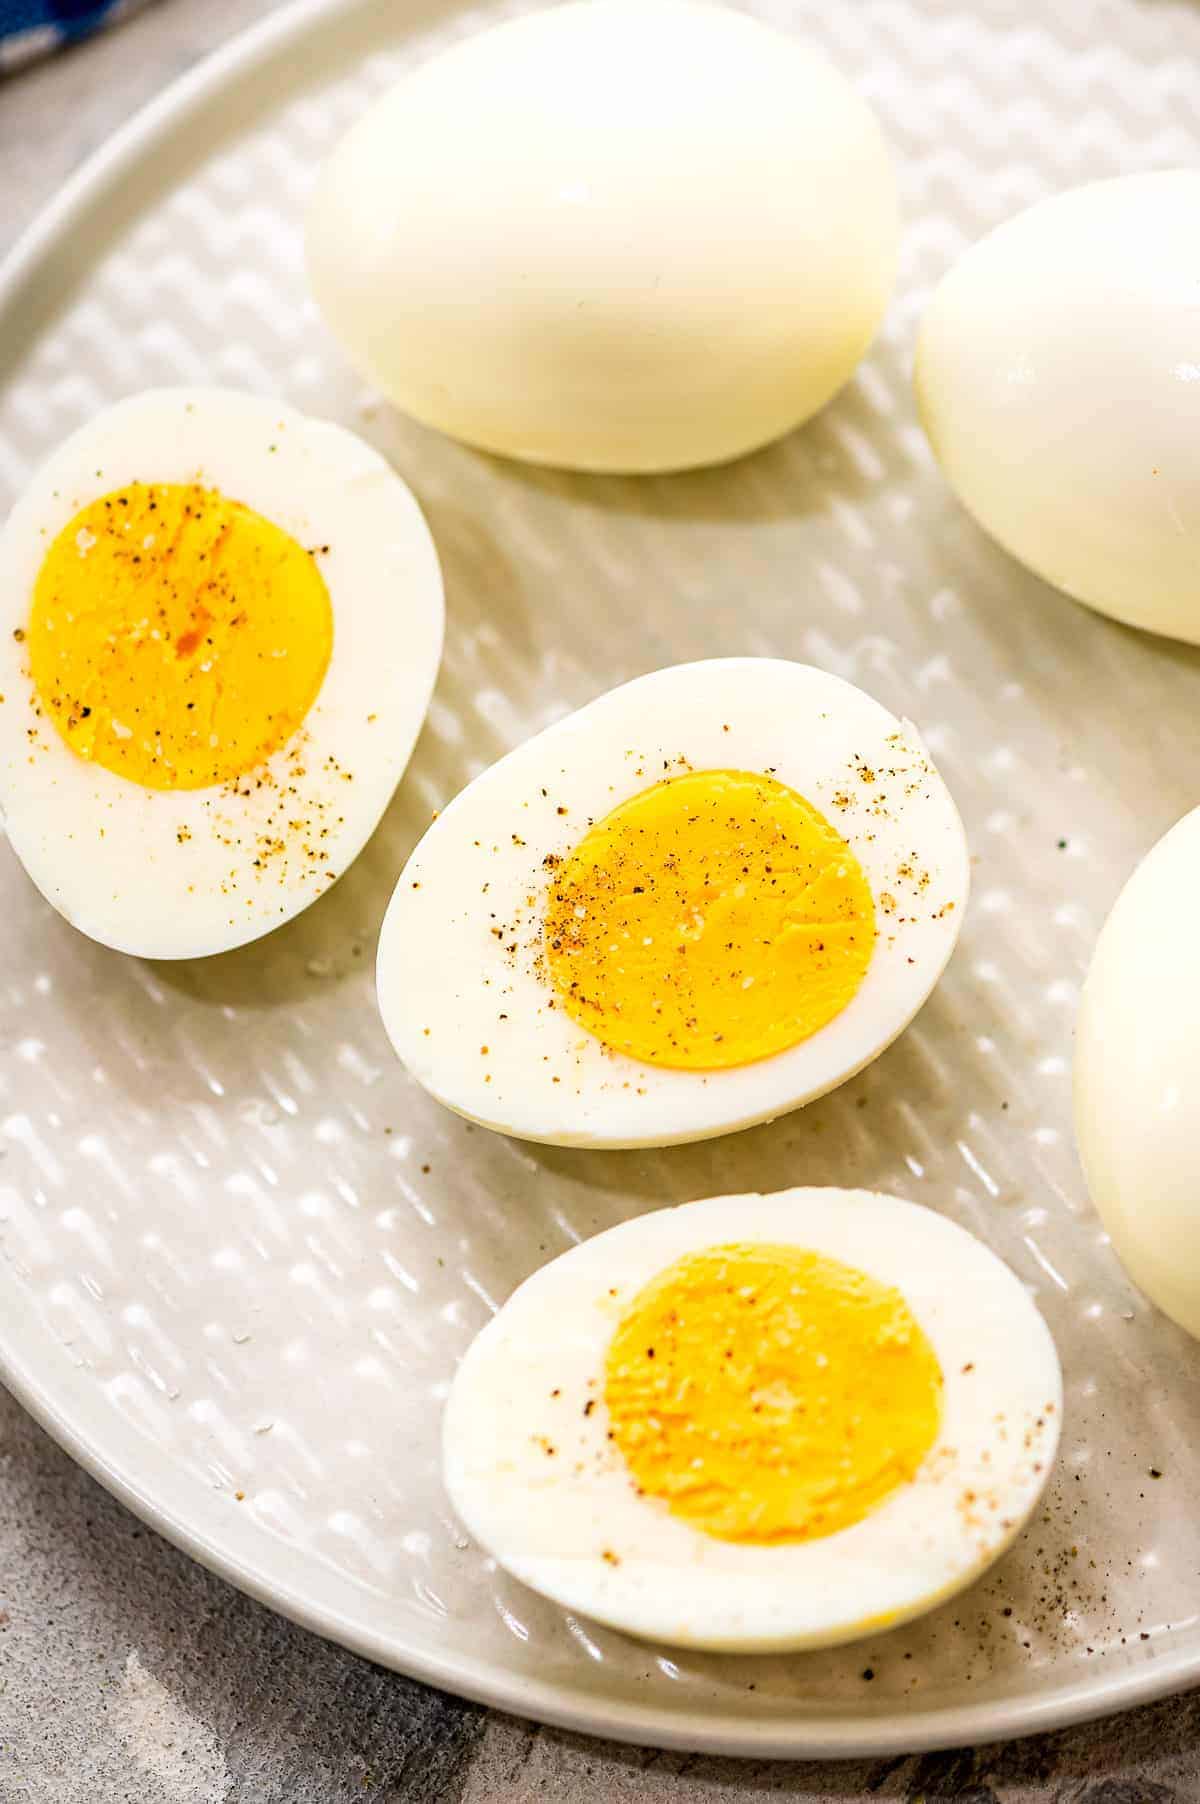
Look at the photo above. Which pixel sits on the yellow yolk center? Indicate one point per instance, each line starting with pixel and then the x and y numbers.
pixel 177 638
pixel 767 1394
pixel 712 920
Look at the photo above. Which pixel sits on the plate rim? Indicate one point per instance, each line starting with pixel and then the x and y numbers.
pixel 57 1404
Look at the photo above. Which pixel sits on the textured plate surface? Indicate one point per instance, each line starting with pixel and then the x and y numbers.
pixel 240 1253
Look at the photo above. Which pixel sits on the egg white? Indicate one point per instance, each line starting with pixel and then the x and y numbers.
pixel 550 1519
pixel 624 235
pixel 1058 379
pixel 171 873
pixel 1137 1075
pixel 450 984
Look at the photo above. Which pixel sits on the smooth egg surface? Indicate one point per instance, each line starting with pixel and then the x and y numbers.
pixel 705 898
pixel 1058 378
pixel 757 1423
pixel 220 624
pixel 1137 1075
pixel 616 235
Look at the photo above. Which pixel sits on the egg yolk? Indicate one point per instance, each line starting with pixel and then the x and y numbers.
pixel 177 637
pixel 711 920
pixel 767 1393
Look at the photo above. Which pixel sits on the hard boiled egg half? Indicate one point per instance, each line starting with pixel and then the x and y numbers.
pixel 758 1422
pixel 705 898
pixel 220 623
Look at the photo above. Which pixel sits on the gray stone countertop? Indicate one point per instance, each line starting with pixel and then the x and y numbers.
pixel 128 1673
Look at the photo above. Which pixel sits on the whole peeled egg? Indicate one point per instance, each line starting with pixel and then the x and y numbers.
pixel 615 235
pixel 1058 377
pixel 1137 1075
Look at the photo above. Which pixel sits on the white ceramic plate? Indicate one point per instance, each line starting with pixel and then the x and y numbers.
pixel 240 1253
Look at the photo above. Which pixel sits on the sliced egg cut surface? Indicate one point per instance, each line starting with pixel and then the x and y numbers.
pixel 702 900
pixel 711 920
pixel 757 1423
pixel 177 638
pixel 222 623
pixel 768 1393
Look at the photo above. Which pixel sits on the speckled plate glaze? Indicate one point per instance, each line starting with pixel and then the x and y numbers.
pixel 240 1253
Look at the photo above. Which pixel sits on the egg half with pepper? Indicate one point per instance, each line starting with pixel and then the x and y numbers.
pixel 220 624
pixel 707 897
pixel 757 1422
